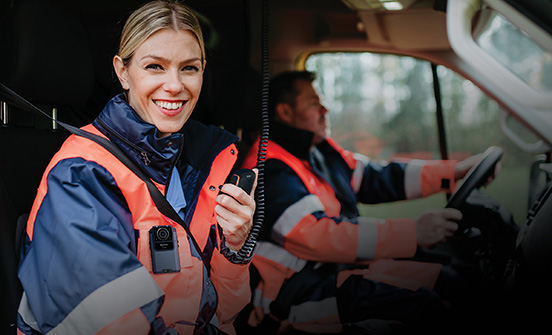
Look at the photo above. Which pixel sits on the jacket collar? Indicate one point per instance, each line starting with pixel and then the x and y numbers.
pixel 196 143
pixel 297 141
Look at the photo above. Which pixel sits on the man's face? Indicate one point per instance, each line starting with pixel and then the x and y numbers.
pixel 308 113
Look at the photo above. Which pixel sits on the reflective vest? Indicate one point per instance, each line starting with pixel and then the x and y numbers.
pixel 382 240
pixel 134 299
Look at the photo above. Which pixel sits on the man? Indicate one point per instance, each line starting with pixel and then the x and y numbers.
pixel 321 265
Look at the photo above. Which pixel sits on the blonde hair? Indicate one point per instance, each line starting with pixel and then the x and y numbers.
pixel 153 17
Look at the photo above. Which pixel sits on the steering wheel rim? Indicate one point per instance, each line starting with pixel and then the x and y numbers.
pixel 476 176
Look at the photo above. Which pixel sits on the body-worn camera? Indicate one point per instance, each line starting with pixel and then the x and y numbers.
pixel 164 249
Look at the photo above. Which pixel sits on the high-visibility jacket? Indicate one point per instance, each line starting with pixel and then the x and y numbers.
pixel 87 264
pixel 312 215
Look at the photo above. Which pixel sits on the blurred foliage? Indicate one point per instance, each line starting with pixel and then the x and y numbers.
pixel 384 106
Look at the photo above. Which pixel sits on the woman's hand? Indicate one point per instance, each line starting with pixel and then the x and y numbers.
pixel 235 211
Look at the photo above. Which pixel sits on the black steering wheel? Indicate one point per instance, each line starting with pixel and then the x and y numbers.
pixel 476 177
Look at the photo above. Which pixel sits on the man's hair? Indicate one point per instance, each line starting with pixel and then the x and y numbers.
pixel 282 88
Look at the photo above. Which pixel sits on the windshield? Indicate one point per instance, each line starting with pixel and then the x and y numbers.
pixel 384 106
pixel 527 59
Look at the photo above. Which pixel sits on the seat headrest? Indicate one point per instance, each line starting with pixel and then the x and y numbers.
pixel 47 58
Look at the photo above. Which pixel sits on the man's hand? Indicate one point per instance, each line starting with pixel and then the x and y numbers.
pixel 464 166
pixel 436 226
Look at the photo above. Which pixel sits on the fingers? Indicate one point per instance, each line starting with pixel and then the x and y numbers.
pixel 235 220
pixel 436 226
pixel 445 230
pixel 232 209
pixel 235 228
pixel 235 210
pixel 237 193
pixel 451 214
pixel 446 222
pixel 464 166
pixel 496 171
pixel 449 228
pixel 449 225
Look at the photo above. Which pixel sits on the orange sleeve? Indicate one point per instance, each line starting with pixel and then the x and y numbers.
pixel 423 178
pixel 391 238
pixel 134 322
pixel 396 238
pixel 232 284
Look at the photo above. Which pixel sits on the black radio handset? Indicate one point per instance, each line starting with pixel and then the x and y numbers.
pixel 243 178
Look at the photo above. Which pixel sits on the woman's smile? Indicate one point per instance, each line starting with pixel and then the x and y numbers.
pixel 170 107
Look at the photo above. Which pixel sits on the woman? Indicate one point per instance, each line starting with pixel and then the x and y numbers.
pixel 89 265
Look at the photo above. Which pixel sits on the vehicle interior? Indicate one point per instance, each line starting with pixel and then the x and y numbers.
pixel 403 79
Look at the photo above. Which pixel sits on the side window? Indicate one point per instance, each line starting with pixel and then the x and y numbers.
pixel 384 107
pixel 380 105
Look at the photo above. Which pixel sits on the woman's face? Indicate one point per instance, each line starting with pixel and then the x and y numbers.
pixel 164 78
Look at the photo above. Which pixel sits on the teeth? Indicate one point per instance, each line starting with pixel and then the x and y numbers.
pixel 168 105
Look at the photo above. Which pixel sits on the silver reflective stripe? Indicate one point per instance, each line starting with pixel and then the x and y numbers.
pixel 109 302
pixel 26 314
pixel 260 301
pixel 413 179
pixel 313 310
pixel 295 213
pixel 367 237
pixel 280 255
pixel 358 173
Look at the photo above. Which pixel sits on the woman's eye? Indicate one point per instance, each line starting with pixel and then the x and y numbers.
pixel 190 68
pixel 154 67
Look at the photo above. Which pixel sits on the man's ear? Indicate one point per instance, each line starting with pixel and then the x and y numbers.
pixel 121 71
pixel 284 112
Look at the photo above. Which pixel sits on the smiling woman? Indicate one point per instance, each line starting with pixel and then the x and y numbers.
pixel 163 78
pixel 429 79
pixel 124 276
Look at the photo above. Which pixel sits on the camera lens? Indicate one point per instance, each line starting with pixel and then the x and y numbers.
pixel 163 234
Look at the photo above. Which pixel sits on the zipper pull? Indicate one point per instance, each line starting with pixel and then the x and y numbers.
pixel 145 158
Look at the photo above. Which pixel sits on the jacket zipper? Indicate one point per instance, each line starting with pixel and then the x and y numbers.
pixel 144 154
pixel 179 153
